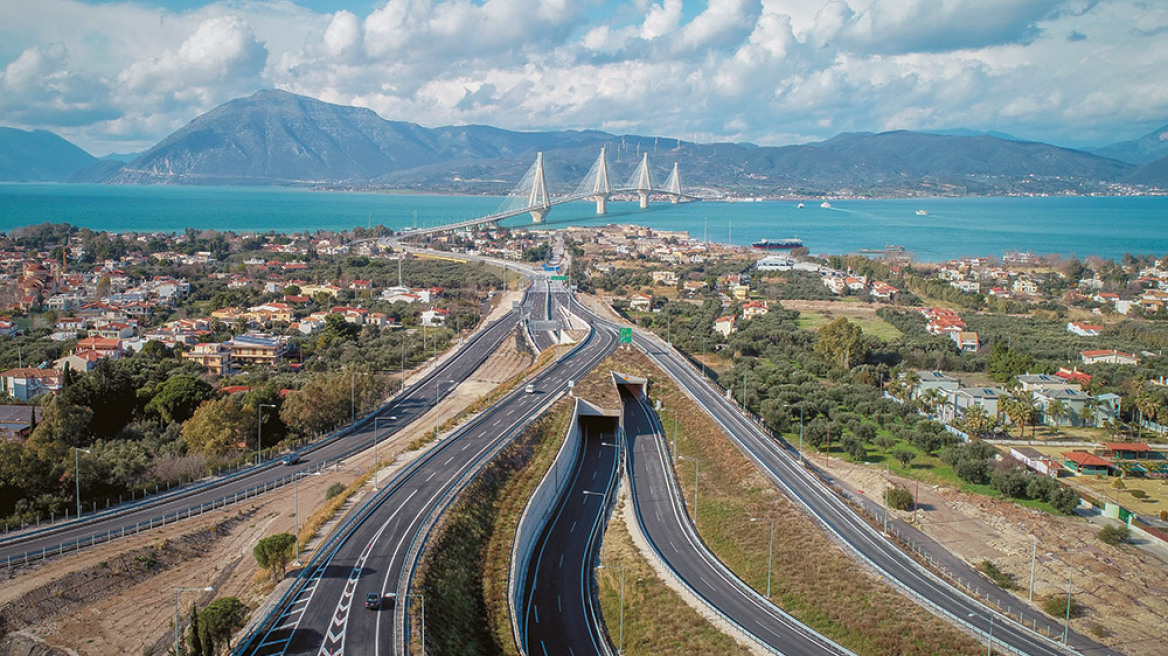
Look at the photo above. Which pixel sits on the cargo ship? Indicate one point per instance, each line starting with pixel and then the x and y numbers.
pixel 778 244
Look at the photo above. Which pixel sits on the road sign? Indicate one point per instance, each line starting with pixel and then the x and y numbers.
pixel 625 336
pixel 544 326
pixel 560 278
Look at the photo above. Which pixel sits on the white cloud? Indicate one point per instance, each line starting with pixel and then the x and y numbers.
pixel 767 71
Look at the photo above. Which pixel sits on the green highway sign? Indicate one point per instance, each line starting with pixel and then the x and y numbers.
pixel 625 336
pixel 560 278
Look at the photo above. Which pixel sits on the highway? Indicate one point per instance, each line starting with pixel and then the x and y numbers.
pixel 129 518
pixel 663 520
pixel 561 614
pixel 323 613
pixel 839 519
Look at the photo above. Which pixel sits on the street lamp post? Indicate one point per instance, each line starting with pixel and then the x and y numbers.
pixel 990 635
pixel 376 421
pixel 1067 618
pixel 887 476
pixel 77 474
pixel 177 637
pixel 770 550
pixel 1033 558
pixel 260 431
pixel 620 641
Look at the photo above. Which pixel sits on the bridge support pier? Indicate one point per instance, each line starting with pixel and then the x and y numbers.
pixel 538 215
pixel 601 204
pixel 644 199
pixel 675 199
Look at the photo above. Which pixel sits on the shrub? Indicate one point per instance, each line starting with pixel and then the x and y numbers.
pixel 1114 535
pixel 1138 494
pixel 1056 606
pixel 972 471
pixel 333 490
pixel 1002 579
pixel 1064 500
pixel 900 498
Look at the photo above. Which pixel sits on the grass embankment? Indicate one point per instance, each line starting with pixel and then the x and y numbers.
pixel 658 622
pixel 813 579
pixel 463 572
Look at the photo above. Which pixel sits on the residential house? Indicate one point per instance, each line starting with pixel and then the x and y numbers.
pixel 930 380
pixel 7 328
pixel 664 277
pixel 725 325
pixel 1083 329
pixel 1036 460
pixel 966 286
pixel 1127 451
pixel 966 340
pixel 640 302
pixel 257 349
pixel 435 317
pixel 988 398
pixel 1035 382
pixel 1087 464
pixel 104 346
pixel 1109 356
pixel 16 421
pixel 754 309
pixel 1025 286
pixel 695 286
pixel 26 383
pixel 80 361
pixel 740 292
pixel 1073 402
pixel 215 358
pixel 883 291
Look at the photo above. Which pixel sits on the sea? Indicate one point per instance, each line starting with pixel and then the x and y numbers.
pixel 929 229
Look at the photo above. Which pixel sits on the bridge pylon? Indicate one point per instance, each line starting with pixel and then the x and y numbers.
pixel 538 202
pixel 673 185
pixel 600 186
pixel 644 182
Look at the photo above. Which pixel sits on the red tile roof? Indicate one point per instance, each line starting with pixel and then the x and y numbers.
pixel 1084 459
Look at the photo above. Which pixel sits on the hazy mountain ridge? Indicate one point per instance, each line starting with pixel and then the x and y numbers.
pixel 279 138
pixel 39 156
pixel 1146 149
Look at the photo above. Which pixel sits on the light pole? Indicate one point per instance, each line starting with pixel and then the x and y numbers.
pixel 1033 558
pixel 1067 618
pixel 260 431
pixel 177 637
pixel 77 475
pixel 296 504
pixel 990 635
pixel 887 476
pixel 376 421
pixel 770 549
pixel 620 641
pixel 695 504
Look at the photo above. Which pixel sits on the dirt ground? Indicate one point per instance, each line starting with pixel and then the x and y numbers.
pixel 1122 589
pixel 134 620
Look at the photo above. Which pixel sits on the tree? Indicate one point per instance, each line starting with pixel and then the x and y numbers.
pixel 196 640
pixel 1147 405
pixel 899 498
pixel 273 552
pixel 842 342
pixel 931 400
pixel 904 456
pixel 1057 410
pixel 1114 535
pixel 217 427
pixel 62 422
pixel 218 621
pixel 179 397
pixel 977 421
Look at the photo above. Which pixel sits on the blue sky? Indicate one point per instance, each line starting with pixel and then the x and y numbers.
pixel 119 76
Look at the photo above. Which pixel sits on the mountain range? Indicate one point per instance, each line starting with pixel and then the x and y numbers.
pixel 279 138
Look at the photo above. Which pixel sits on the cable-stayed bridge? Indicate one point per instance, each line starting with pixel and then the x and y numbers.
pixel 531 195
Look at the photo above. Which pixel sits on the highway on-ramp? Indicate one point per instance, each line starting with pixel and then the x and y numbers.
pixel 323 613
pixel 663 520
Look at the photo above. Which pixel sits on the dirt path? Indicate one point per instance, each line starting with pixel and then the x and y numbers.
pixel 1123 590
pixel 135 619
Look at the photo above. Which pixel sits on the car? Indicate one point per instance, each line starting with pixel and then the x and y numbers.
pixel 530 389
pixel 373 601
pixel 291 458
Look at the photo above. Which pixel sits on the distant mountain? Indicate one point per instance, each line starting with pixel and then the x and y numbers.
pixel 39 156
pixel 274 137
pixel 966 132
pixel 120 157
pixel 1151 146
pixel 1152 174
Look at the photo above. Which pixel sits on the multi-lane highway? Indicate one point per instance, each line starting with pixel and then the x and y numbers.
pixel 323 613
pixel 664 522
pixel 839 519
pixel 560 611
pixel 129 518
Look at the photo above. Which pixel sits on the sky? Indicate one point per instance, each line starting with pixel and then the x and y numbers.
pixel 116 77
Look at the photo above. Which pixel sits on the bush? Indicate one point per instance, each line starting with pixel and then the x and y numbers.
pixel 1002 579
pixel 1114 535
pixel 333 490
pixel 1056 606
pixel 1064 500
pixel 1138 494
pixel 973 471
pixel 900 499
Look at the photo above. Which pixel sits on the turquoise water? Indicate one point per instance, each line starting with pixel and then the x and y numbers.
pixel 1107 227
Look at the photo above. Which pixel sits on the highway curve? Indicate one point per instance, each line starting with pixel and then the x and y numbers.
pixel 323 613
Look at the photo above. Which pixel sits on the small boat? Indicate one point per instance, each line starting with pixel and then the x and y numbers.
pixel 922 212
pixel 800 206
pixel 825 205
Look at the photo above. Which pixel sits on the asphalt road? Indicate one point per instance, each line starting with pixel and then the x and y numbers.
pixel 131 517
pixel 560 609
pixel 839 519
pixel 323 613
pixel 662 516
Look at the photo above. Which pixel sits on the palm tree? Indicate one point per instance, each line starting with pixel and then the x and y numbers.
pixel 977 421
pixel 1028 409
pixel 1057 409
pixel 1091 412
pixel 909 381
pixel 1147 405
pixel 931 400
